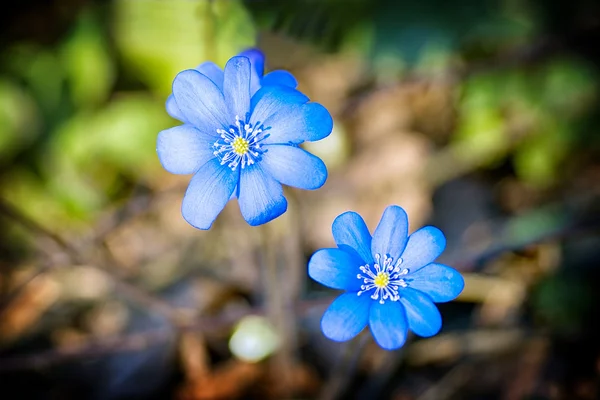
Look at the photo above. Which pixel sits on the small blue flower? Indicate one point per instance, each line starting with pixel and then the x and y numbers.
pixel 390 279
pixel 240 138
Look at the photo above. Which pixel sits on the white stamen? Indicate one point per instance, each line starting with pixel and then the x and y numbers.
pixel 240 144
pixel 384 280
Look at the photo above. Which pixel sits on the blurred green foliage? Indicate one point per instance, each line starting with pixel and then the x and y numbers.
pixel 18 119
pixel 406 31
pixel 79 117
pixel 88 63
pixel 562 303
pixel 529 113
pixel 157 39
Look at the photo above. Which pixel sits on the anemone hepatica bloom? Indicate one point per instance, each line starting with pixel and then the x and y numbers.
pixel 240 138
pixel 390 279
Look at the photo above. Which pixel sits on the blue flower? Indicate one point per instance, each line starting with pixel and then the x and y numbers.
pixel 391 280
pixel 240 139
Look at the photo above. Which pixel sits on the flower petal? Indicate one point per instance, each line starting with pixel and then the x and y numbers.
pixel 212 72
pixel 423 247
pixel 438 281
pixel 294 166
pixel 173 110
pixel 260 196
pixel 346 317
pixel 280 77
pixel 391 234
pixel 423 317
pixel 183 149
pixel 236 87
pixel 200 101
pixel 257 62
pixel 207 194
pixel 350 231
pixel 270 100
pixel 388 324
pixel 298 123
pixel 336 269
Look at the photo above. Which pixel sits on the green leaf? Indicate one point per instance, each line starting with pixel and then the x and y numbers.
pixel 92 152
pixel 87 63
pixel 481 137
pixel 42 73
pixel 538 159
pixel 19 119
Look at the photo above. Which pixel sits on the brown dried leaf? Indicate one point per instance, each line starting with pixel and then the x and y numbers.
pixel 229 381
pixel 194 357
pixel 34 300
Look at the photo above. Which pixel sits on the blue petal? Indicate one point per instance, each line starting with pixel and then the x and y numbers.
pixel 173 110
pixel 350 231
pixel 388 324
pixel 279 77
pixel 183 149
pixel 336 269
pixel 438 281
pixel 424 318
pixel 299 123
pixel 257 61
pixel 270 100
pixel 207 194
pixel 391 234
pixel 346 317
pixel 236 87
pixel 423 247
pixel 212 72
pixel 200 101
pixel 261 197
pixel 294 166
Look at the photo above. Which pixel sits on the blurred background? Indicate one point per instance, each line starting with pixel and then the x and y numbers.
pixel 478 116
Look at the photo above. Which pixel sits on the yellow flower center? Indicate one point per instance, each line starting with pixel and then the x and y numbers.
pixel 240 146
pixel 381 280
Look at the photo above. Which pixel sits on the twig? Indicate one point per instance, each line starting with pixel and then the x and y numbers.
pixel 132 292
pixel 449 384
pixel 12 213
pixel 344 368
pixel 274 304
pixel 131 342
pixel 138 341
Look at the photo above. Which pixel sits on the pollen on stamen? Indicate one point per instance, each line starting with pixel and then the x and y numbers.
pixel 240 143
pixel 240 146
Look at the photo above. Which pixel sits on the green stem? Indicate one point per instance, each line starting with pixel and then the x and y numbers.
pixel 282 361
pixel 344 368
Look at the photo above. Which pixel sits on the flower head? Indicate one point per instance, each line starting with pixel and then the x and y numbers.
pixel 390 279
pixel 240 137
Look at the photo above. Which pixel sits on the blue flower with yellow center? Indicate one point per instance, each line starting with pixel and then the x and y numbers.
pixel 390 278
pixel 239 139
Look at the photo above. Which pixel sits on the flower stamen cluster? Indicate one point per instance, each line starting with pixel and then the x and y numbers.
pixel 385 280
pixel 240 144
